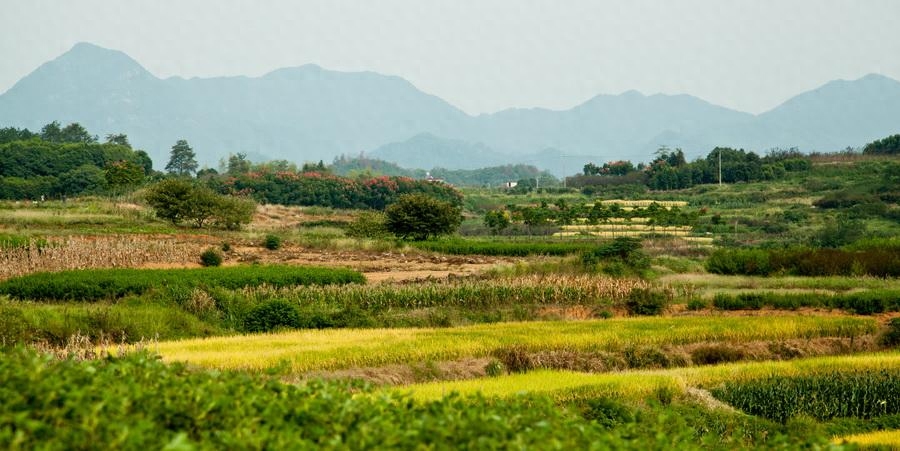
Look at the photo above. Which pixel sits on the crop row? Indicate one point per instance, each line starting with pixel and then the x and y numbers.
pixel 527 290
pixel 310 350
pixel 864 302
pixel 504 248
pixel 98 284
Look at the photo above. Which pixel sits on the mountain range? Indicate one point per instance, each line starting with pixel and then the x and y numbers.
pixel 308 113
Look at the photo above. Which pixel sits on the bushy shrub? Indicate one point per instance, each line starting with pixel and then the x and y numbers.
pixel 697 304
pixel 607 413
pixel 418 216
pixel 515 358
pixel 271 315
pixel 620 254
pixel 643 301
pixel 272 242
pixel 368 224
pixel 753 262
pixel 713 354
pixel 891 337
pixel 211 257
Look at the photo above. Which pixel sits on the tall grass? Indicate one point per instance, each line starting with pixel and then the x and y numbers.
pixel 466 293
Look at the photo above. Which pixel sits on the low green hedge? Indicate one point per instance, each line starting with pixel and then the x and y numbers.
pixel 97 284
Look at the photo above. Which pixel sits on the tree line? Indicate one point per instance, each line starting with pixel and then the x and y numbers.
pixel 670 170
pixel 67 161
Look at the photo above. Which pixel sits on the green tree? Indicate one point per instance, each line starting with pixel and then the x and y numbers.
pixel 232 212
pixel 179 200
pixel 238 164
pixel 118 138
pixel 497 220
pixel 170 198
pixel 419 217
pixel 76 133
pixel 86 179
pixel 52 132
pixel 121 174
pixel 183 161
pixel 885 146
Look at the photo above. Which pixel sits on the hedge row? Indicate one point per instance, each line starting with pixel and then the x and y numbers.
pixel 862 303
pixel 805 262
pixel 93 285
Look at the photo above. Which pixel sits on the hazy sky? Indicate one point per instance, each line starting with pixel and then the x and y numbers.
pixel 485 55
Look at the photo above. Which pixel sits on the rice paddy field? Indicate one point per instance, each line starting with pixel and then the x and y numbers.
pixel 576 332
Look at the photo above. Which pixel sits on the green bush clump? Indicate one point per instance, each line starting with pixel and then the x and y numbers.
pixel 822 396
pixel 98 284
pixel 751 262
pixel 272 242
pixel 211 257
pixel 272 315
pixel 713 354
pixel 617 257
pixel 643 301
pixel 891 337
pixel 368 224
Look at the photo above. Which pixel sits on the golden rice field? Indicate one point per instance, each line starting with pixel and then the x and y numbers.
pixel 637 384
pixel 308 350
pixel 889 439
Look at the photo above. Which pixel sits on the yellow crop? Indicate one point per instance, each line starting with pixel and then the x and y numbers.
pixel 569 385
pixel 310 350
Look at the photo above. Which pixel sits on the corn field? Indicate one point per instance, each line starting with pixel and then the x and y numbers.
pixel 81 252
pixel 531 289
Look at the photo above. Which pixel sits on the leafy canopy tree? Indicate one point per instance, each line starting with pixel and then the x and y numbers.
pixel 122 173
pixel 183 161
pixel 419 217
pixel 118 138
pixel 497 220
pixel 179 200
pixel 885 146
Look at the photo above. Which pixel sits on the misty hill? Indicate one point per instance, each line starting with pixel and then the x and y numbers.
pixel 301 114
pixel 428 151
pixel 309 113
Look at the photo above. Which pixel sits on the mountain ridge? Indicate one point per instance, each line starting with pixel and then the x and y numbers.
pixel 309 113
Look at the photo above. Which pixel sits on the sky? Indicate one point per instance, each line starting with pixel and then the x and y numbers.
pixel 485 55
